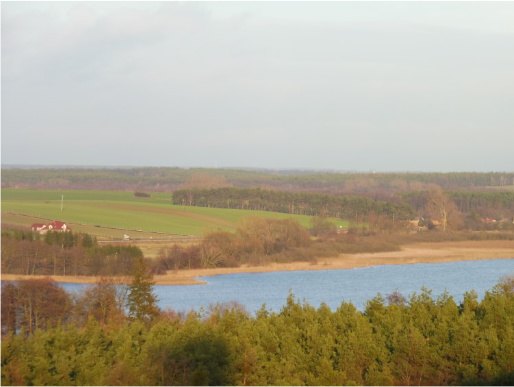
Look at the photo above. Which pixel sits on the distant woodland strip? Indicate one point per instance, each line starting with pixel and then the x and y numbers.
pixel 167 179
pixel 336 206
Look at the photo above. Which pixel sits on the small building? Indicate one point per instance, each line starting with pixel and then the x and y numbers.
pixel 56 225
pixel 415 222
pixel 39 228
pixel 59 226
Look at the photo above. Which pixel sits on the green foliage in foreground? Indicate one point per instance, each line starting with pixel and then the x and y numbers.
pixel 395 341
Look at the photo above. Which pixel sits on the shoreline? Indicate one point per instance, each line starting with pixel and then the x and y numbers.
pixel 436 252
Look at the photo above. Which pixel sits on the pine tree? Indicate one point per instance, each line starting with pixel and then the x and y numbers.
pixel 141 300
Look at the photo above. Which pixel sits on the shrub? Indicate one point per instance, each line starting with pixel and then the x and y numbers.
pixel 142 194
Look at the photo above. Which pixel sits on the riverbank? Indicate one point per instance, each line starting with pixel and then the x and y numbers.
pixel 409 254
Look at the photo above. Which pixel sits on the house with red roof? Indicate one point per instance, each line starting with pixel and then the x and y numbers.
pixel 56 225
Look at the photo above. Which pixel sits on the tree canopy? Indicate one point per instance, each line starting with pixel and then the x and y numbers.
pixel 416 339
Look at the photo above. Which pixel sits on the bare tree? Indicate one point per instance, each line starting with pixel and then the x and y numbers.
pixel 440 206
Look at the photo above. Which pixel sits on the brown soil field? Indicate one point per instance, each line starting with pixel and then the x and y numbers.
pixel 414 253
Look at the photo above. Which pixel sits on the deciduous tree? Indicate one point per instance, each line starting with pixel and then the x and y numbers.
pixel 441 207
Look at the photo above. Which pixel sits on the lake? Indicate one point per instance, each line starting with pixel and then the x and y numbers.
pixel 333 286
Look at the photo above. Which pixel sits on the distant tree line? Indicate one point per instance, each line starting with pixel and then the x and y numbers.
pixel 497 205
pixel 63 253
pixel 159 179
pixel 467 208
pixel 337 206
pixel 51 337
pixel 471 206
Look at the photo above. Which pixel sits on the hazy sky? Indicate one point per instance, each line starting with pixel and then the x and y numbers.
pixel 385 86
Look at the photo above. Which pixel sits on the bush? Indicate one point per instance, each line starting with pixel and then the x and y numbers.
pixel 142 194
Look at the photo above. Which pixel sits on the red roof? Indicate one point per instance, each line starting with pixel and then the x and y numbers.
pixel 57 225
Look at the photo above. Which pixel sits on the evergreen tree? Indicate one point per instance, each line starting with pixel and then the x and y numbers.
pixel 141 300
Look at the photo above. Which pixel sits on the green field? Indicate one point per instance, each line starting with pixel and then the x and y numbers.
pixel 116 211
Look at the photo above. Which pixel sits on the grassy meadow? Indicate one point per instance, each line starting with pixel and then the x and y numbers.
pixel 107 214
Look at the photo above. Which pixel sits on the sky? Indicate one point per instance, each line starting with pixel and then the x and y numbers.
pixel 354 86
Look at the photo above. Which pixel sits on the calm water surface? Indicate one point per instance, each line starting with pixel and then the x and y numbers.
pixel 333 286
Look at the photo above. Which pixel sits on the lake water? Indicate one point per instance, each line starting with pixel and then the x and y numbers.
pixel 333 286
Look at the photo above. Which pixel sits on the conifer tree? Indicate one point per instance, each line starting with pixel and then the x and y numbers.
pixel 141 300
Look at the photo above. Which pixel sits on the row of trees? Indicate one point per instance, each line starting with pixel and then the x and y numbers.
pixel 336 206
pixel 63 253
pixel 396 340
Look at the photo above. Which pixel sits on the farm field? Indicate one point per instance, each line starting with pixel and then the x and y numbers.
pixel 110 214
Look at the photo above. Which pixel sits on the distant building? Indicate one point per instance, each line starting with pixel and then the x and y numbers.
pixel 40 228
pixel 56 225
pixel 415 222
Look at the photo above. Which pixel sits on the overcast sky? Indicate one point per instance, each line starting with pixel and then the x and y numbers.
pixel 384 86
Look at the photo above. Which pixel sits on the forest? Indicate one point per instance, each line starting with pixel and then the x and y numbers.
pixel 498 205
pixel 115 335
pixel 168 179
pixel 336 206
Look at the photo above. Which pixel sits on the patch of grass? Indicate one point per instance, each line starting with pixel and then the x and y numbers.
pixel 501 187
pixel 86 209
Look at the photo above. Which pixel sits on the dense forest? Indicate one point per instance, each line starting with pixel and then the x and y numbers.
pixel 336 206
pixel 115 335
pixel 465 210
pixel 168 179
